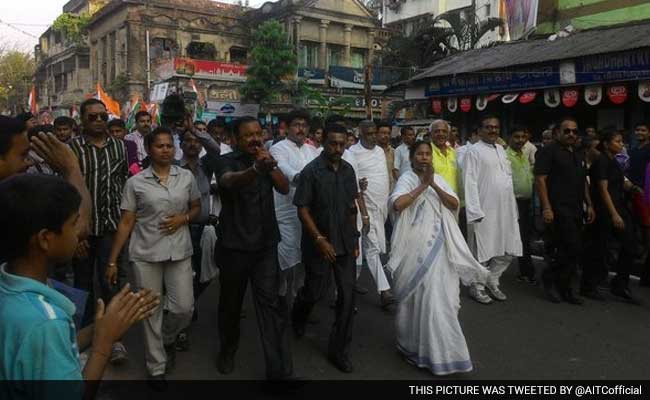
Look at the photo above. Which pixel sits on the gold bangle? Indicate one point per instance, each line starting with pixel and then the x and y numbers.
pixel 320 237
pixel 114 265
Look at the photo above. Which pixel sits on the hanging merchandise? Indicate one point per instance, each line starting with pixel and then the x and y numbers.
pixel 593 94
pixel 527 97
pixel 466 104
pixel 452 104
pixel 617 94
pixel 509 98
pixel 570 97
pixel 481 102
pixel 644 91
pixel 552 97
pixel 436 106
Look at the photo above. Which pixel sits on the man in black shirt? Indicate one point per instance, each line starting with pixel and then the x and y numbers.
pixel 246 250
pixel 560 174
pixel 639 160
pixel 325 197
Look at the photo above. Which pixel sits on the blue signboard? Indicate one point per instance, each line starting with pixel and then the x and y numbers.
pixel 625 65
pixel 536 76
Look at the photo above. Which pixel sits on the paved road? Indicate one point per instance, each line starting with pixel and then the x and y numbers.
pixel 525 337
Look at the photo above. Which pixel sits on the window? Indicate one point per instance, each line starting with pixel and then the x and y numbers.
pixel 335 55
pixel 163 48
pixel 309 54
pixel 238 55
pixel 202 51
pixel 358 59
pixel 84 62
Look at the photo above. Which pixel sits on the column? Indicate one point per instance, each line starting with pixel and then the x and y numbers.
pixel 295 32
pixel 347 30
pixel 322 60
pixel 371 45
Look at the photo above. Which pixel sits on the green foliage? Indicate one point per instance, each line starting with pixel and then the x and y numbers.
pixel 72 27
pixel 16 71
pixel 272 66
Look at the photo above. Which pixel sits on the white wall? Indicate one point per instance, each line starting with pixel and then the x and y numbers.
pixel 410 9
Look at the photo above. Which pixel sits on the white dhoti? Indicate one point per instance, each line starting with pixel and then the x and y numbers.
pixel 371 165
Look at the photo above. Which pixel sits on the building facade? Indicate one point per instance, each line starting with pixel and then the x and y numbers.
pixel 554 15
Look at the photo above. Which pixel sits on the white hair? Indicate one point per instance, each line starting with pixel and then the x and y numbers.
pixel 439 121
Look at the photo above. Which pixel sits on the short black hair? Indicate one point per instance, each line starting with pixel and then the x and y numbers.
pixel 9 127
pixel 518 128
pixel 216 123
pixel 142 113
pixel 641 123
pixel 89 102
pixel 116 122
pixel 64 121
pixel 415 146
pixel 335 119
pixel 564 119
pixel 406 128
pixel 200 122
pixel 25 116
pixel 31 203
pixel 151 137
pixel 243 121
pixel 486 117
pixel 384 124
pixel 334 128
pixel 298 113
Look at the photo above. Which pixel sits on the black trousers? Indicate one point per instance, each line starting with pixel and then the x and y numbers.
pixel 317 275
pixel 564 236
pixel 196 232
pixel 606 242
pixel 262 270
pixel 526 267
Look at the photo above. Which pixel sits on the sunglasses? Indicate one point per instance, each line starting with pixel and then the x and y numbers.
pixel 569 130
pixel 94 117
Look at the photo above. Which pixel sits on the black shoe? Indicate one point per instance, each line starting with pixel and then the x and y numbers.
pixel 387 299
pixel 343 364
pixel 360 289
pixel 158 383
pixel 570 298
pixel 593 294
pixel 226 363
pixel 626 296
pixel 182 341
pixel 551 294
pixel 170 350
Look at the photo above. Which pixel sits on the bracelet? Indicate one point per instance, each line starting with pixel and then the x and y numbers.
pixel 365 217
pixel 187 218
pixel 320 237
pixel 255 169
pixel 114 265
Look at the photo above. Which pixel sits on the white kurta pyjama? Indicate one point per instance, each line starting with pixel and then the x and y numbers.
pixel 489 197
pixel 291 160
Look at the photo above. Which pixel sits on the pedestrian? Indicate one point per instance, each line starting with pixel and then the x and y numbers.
pixel 428 259
pixel 247 250
pixel 157 207
pixel 384 130
pixel 444 156
pixel 292 155
pixel 352 140
pixel 371 163
pixel 315 133
pixel 103 162
pixel 614 224
pixel 39 339
pixel 547 137
pixel 560 179
pixel 325 197
pixel 491 209
pixel 638 174
pixel 522 183
pixel 117 129
pixel 64 128
pixel 142 129
pixel 219 131
pixel 402 160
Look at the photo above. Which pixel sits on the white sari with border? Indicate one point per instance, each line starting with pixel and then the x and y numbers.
pixel 429 256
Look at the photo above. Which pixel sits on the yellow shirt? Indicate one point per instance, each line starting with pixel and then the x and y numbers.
pixel 445 166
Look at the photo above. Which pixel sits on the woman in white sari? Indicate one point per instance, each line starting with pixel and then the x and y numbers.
pixel 429 256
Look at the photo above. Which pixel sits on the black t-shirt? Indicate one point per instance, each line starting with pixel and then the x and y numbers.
pixel 247 219
pixel 607 169
pixel 330 196
pixel 639 159
pixel 566 175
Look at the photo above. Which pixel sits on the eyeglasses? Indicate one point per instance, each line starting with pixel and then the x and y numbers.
pixel 94 117
pixel 569 130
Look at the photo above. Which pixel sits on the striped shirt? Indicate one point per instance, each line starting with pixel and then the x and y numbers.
pixel 105 171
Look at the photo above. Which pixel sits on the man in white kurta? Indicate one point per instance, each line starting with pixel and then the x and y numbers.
pixel 292 155
pixel 371 164
pixel 491 209
pixel 402 153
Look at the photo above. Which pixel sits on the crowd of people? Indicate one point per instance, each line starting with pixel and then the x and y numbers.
pixel 105 228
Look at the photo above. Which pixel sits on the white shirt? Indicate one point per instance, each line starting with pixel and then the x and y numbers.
pixel 490 199
pixel 402 159
pixel 529 151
